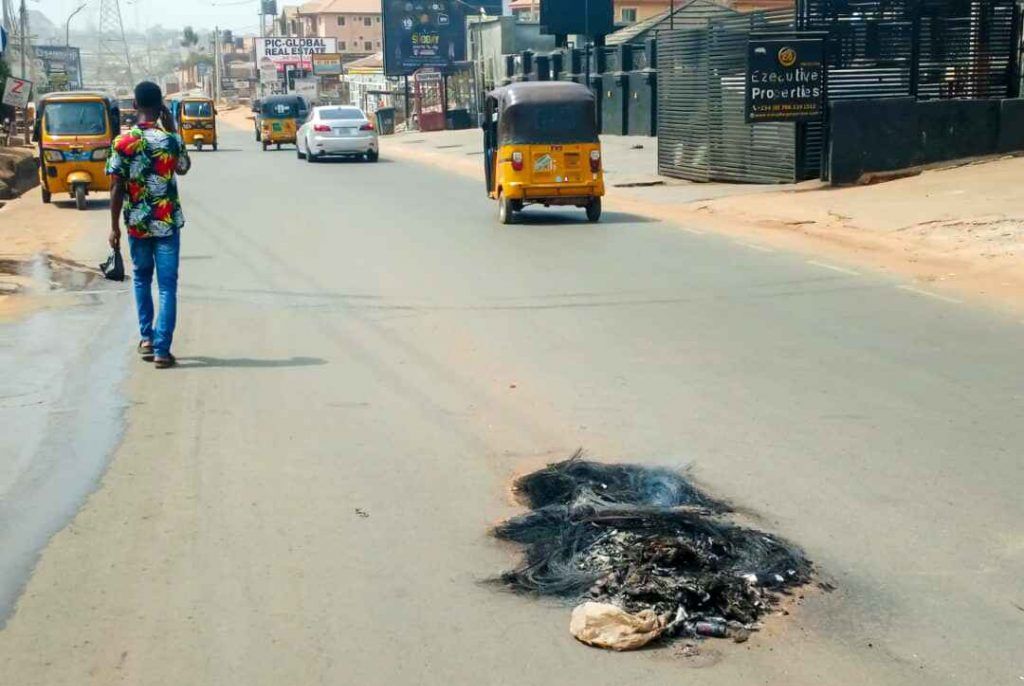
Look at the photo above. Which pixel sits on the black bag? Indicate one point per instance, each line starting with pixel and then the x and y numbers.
pixel 113 268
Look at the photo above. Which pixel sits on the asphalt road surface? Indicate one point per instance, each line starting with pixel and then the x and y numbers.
pixel 368 358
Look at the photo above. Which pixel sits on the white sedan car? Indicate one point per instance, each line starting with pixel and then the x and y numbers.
pixel 337 130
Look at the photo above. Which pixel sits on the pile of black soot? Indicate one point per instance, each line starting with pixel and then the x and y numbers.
pixel 645 538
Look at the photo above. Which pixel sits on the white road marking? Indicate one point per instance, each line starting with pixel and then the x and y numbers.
pixel 696 231
pixel 754 246
pixel 929 294
pixel 826 265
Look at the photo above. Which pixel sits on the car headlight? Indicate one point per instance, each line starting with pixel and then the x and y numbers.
pixel 208 125
pixel 53 155
pixel 186 125
pixel 100 154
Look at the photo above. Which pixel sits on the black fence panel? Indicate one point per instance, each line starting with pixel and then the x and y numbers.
pixel 614 103
pixel 642 104
pixel 885 134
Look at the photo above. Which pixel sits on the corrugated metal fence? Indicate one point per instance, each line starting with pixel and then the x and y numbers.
pixel 701 132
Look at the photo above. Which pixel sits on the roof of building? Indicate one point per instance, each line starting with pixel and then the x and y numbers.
pixel 341 7
pixel 690 14
pixel 370 63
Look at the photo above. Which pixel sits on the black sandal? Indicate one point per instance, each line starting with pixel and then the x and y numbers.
pixel 165 362
pixel 146 351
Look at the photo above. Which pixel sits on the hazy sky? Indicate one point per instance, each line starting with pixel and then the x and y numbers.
pixel 237 15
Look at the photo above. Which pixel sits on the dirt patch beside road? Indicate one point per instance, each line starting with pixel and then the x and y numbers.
pixel 18 171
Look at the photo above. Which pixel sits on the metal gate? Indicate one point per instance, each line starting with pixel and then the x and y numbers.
pixel 702 135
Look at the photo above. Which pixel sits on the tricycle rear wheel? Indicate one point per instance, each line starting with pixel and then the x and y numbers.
pixel 594 210
pixel 80 197
pixel 47 196
pixel 506 209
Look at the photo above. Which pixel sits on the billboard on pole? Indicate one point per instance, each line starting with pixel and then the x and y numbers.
pixel 292 51
pixel 59 66
pixel 422 33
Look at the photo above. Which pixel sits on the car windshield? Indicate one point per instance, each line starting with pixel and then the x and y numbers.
pixel 198 109
pixel 342 113
pixel 126 104
pixel 76 118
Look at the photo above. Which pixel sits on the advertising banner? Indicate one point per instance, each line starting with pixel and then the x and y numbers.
pixel 59 67
pixel 292 51
pixel 326 64
pixel 422 33
pixel 785 79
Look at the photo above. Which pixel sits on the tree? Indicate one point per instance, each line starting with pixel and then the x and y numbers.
pixel 189 37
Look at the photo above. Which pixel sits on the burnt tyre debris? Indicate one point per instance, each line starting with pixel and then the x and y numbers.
pixel 646 539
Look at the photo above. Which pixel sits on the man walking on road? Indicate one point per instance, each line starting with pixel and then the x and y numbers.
pixel 142 165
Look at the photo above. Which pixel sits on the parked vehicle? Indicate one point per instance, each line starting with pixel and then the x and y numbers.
pixel 337 130
pixel 197 122
pixel 541 147
pixel 278 120
pixel 74 131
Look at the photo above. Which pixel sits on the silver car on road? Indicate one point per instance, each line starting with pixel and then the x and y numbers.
pixel 337 130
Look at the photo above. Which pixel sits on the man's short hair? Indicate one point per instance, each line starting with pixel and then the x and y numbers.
pixel 148 96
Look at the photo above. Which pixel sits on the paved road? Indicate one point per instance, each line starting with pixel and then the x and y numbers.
pixel 357 336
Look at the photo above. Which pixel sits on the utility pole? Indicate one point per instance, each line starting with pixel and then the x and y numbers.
pixel 216 63
pixel 24 38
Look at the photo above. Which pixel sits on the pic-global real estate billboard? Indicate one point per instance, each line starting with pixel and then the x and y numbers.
pixel 422 34
pixel 291 51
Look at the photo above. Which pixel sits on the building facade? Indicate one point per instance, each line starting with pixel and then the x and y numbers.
pixel 355 23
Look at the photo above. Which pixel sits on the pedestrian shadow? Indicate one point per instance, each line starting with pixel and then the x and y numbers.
pixel 203 362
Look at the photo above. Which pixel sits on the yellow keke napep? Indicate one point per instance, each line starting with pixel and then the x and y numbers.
pixel 197 122
pixel 279 115
pixel 541 147
pixel 74 131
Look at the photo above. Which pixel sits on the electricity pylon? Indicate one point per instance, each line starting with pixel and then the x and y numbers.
pixel 113 47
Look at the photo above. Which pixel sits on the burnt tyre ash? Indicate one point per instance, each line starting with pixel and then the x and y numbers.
pixel 644 538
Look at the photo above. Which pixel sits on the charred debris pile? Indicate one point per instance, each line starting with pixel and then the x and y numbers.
pixel 633 542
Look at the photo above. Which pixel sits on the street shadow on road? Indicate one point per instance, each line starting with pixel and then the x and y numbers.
pixel 557 218
pixel 90 204
pixel 351 160
pixel 201 362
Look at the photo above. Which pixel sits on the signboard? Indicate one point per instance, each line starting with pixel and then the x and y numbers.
pixel 59 67
pixel 292 51
pixel 564 17
pixel 326 64
pixel 306 88
pixel 17 92
pixel 785 79
pixel 268 72
pixel 422 33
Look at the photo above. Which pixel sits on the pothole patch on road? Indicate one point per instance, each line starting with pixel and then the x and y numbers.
pixel 645 555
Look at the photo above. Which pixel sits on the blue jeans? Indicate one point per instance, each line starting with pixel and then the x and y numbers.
pixel 160 254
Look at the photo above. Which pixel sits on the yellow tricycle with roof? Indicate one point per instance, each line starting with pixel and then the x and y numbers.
pixel 541 147
pixel 74 131
pixel 197 122
pixel 278 120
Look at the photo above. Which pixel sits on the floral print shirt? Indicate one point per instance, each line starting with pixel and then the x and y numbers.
pixel 147 158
